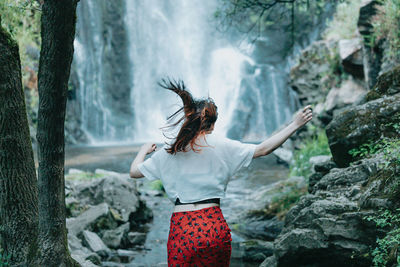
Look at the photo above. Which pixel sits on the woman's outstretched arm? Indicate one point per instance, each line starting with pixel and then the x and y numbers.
pixel 273 142
pixel 147 148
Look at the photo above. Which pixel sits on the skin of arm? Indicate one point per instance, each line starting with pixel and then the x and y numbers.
pixel 273 142
pixel 147 148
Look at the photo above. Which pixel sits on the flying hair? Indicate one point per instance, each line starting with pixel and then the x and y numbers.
pixel 198 117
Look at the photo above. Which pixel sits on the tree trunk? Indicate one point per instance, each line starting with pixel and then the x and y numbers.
pixel 18 183
pixel 57 32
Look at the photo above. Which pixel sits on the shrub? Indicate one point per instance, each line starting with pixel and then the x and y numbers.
pixel 315 145
pixel 4 258
pixel 344 22
pixel 386 26
pixel 386 251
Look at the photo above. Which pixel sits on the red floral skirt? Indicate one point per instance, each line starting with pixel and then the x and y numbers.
pixel 199 238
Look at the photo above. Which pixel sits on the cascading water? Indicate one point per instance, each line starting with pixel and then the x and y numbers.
pixel 175 39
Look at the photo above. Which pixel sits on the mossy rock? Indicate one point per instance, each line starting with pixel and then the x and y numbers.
pixel 388 84
pixel 362 124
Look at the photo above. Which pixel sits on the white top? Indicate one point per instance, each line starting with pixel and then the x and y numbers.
pixel 197 176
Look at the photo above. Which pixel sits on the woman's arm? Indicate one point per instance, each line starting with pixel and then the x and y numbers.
pixel 144 150
pixel 279 138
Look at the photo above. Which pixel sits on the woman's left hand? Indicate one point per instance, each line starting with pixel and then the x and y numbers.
pixel 149 147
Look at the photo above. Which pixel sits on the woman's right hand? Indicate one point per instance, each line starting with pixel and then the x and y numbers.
pixel 303 116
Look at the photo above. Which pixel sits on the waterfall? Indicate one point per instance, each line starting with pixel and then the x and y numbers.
pixel 149 40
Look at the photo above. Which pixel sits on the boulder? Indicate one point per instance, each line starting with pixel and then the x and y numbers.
pixel 253 250
pixel 351 55
pixel 113 238
pixel 88 218
pixel 348 93
pixel 135 239
pixel 94 242
pixel 362 124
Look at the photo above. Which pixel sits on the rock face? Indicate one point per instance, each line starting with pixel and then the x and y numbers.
pixel 330 223
pixel 361 124
pixel 309 77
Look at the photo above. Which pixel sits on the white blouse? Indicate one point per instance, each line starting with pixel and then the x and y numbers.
pixel 192 176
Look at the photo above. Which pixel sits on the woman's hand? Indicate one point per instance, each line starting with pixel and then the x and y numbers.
pixel 148 148
pixel 303 116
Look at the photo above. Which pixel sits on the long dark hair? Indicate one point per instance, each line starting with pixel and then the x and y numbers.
pixel 198 117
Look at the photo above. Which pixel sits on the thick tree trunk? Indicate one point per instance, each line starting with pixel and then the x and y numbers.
pixel 18 183
pixel 57 32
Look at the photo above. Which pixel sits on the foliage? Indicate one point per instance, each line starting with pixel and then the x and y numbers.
pixel 21 18
pixel 83 176
pixel 386 26
pixel 282 202
pixel 315 145
pixel 344 22
pixel 258 16
pixel 390 147
pixel 4 259
pixel 386 252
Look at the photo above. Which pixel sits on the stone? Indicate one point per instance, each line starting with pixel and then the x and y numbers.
pixel 351 55
pixel 93 241
pixel 254 250
pixel 284 155
pixel 87 218
pixel 362 124
pixel 136 238
pixel 348 93
pixel 320 159
pixel 269 262
pixel 113 238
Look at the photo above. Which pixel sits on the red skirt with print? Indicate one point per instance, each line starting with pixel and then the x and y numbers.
pixel 199 238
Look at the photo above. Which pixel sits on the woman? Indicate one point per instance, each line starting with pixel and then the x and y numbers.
pixel 195 170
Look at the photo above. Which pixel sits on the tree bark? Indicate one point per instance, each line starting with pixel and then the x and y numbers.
pixel 57 32
pixel 18 182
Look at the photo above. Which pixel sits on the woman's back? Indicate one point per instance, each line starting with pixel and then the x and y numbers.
pixel 193 176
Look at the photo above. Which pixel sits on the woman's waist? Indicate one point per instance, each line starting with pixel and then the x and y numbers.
pixel 196 205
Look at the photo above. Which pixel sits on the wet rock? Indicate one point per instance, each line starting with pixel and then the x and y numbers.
pixel 361 124
pixel 94 242
pixel 113 238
